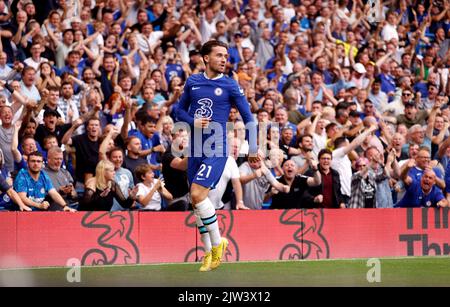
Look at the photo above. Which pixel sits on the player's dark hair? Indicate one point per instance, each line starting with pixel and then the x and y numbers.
pixel 209 45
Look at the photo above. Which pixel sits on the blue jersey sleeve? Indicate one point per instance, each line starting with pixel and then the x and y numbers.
pixel 20 183
pixel 438 196
pixel 237 93
pixel 183 106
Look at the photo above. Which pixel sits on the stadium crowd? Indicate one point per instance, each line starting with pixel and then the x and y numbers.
pixel 351 100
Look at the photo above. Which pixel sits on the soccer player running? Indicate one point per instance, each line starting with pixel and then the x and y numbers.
pixel 205 105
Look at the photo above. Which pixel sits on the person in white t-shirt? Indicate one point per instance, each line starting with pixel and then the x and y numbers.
pixel 150 189
pixel 149 39
pixel 341 162
pixel 35 60
pixel 230 172
pixel 390 28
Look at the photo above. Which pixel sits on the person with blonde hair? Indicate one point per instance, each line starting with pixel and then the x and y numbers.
pixel 165 131
pixel 102 189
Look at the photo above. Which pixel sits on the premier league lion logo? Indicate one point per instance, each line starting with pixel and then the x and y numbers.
pixel 309 240
pixel 115 245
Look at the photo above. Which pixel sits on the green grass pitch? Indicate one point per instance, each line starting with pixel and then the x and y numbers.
pixel 420 271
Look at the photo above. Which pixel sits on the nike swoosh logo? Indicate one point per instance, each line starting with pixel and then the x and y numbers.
pixel 195 88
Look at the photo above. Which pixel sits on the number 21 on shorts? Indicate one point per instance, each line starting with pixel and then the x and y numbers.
pixel 201 171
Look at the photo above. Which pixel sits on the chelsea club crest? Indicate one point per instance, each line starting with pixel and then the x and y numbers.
pixel 218 91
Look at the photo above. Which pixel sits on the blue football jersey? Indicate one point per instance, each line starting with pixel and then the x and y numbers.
pixel 213 99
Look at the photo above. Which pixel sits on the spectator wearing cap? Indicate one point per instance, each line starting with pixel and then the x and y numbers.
pixel 75 23
pixel 50 126
pixel 358 76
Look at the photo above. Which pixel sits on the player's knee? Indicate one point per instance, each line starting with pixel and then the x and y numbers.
pixel 197 197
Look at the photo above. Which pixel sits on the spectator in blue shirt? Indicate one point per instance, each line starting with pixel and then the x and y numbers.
pixel 149 139
pixel 415 169
pixel 33 185
pixel 423 192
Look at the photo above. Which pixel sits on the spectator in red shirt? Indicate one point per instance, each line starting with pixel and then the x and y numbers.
pixel 328 193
